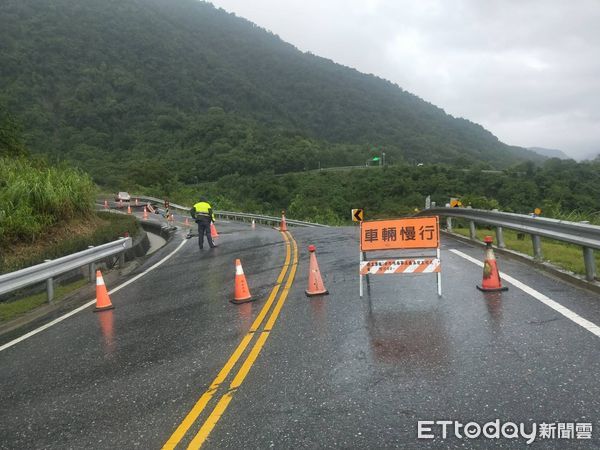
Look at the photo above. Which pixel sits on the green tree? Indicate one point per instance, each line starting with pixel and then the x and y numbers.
pixel 11 140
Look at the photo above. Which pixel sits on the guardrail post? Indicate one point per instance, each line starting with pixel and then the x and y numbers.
pixel 122 257
pixel 537 247
pixel 590 263
pixel 500 237
pixel 92 269
pixel 49 286
pixel 449 224
pixel 472 230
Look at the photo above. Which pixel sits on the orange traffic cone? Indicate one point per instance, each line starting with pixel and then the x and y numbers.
pixel 145 213
pixel 213 231
pixel 491 277
pixel 187 223
pixel 283 226
pixel 241 292
pixel 128 209
pixel 102 299
pixel 315 282
pixel 105 204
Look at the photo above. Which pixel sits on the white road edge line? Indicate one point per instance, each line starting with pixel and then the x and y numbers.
pixel 90 303
pixel 591 327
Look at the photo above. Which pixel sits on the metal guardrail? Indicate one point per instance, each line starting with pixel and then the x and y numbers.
pixel 585 235
pixel 50 269
pixel 231 215
pixel 145 199
pixel 265 219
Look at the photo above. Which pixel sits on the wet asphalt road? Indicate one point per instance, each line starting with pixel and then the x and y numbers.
pixel 335 371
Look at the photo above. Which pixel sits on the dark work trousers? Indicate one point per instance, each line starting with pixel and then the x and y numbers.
pixel 204 229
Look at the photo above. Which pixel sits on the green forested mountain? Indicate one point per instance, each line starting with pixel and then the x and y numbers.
pixel 561 188
pixel 550 152
pixel 150 91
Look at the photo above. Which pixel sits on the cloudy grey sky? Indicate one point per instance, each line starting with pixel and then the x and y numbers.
pixel 527 70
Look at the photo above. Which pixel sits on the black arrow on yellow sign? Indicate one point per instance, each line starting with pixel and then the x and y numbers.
pixel 357 215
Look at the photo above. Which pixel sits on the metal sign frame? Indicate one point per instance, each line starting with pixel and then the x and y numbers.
pixel 413 264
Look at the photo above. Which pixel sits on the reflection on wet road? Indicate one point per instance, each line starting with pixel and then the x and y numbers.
pixel 175 363
pixel 254 330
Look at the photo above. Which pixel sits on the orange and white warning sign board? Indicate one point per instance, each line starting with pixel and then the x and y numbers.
pixel 413 232
pixel 403 265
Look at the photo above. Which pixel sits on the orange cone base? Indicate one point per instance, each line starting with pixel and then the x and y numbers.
pixel 104 308
pixel 244 300
pixel 312 294
pixel 491 289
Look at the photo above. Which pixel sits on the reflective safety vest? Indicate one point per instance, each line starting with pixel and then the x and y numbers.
pixel 203 209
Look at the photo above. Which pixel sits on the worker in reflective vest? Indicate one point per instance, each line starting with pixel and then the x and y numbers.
pixel 202 213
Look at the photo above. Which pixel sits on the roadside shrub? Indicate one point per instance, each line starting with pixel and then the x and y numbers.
pixel 77 235
pixel 34 196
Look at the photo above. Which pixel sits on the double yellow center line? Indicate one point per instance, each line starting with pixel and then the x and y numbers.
pixel 291 262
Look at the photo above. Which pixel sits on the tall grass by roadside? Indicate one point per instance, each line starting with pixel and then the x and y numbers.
pixel 10 310
pixel 35 196
pixel 593 217
pixel 69 237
